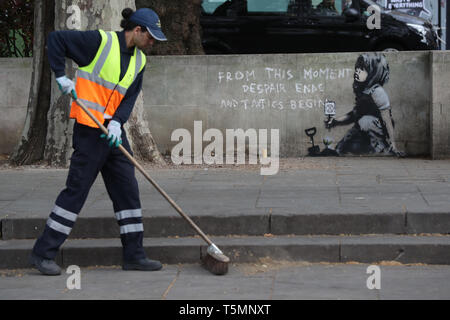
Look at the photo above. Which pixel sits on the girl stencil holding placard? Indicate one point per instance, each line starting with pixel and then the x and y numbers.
pixel 373 129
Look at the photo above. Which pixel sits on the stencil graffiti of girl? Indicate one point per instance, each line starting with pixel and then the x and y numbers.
pixel 373 129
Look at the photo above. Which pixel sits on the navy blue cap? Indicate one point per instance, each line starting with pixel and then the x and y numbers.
pixel 148 18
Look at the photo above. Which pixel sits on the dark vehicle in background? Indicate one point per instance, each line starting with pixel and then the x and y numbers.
pixel 296 26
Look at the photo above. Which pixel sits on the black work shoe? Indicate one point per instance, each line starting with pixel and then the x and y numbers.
pixel 45 266
pixel 142 264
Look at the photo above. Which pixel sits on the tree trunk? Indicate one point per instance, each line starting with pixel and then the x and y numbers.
pixel 59 132
pixel 50 108
pixel 31 145
pixel 180 21
pixel 139 135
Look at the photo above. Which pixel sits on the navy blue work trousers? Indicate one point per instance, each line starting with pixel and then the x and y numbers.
pixel 92 155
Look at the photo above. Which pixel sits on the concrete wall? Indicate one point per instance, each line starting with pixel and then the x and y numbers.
pixel 15 80
pixel 223 92
pixel 440 104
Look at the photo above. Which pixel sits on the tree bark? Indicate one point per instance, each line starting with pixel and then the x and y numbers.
pixel 31 145
pixel 180 22
pixel 141 139
pixel 48 130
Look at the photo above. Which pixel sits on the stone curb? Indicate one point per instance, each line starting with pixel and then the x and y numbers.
pixel 251 225
pixel 333 249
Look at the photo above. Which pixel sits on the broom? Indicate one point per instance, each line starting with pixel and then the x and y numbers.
pixel 214 260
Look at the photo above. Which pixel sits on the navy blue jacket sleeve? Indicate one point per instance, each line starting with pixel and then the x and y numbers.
pixel 126 106
pixel 80 46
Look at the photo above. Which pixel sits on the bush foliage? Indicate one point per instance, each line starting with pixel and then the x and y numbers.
pixel 16 28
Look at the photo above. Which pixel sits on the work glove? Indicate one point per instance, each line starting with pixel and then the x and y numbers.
pixel 114 134
pixel 66 86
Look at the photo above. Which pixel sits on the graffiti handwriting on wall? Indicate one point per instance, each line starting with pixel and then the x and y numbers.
pixel 278 88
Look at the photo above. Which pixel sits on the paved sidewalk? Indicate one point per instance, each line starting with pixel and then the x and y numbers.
pixel 310 186
pixel 289 281
pixel 324 209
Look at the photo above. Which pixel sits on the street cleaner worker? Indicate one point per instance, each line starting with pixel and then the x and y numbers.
pixel 109 79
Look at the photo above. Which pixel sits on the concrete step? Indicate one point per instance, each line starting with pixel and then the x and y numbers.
pixel 365 249
pixel 277 222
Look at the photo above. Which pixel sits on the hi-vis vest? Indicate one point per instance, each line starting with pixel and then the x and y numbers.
pixel 98 85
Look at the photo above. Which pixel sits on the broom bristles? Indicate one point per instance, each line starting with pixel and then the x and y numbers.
pixel 215 266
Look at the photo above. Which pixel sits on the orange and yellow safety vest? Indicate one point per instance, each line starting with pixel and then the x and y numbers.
pixel 98 85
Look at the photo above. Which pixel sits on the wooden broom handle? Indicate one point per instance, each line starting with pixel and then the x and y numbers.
pixel 146 175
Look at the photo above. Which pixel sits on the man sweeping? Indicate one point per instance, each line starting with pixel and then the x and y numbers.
pixel 109 79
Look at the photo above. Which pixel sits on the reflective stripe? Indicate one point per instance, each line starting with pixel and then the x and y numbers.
pixel 134 213
pixel 94 78
pixel 64 213
pixel 138 63
pixel 58 226
pixel 139 227
pixel 93 105
pixel 121 90
pixel 109 85
pixel 102 59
